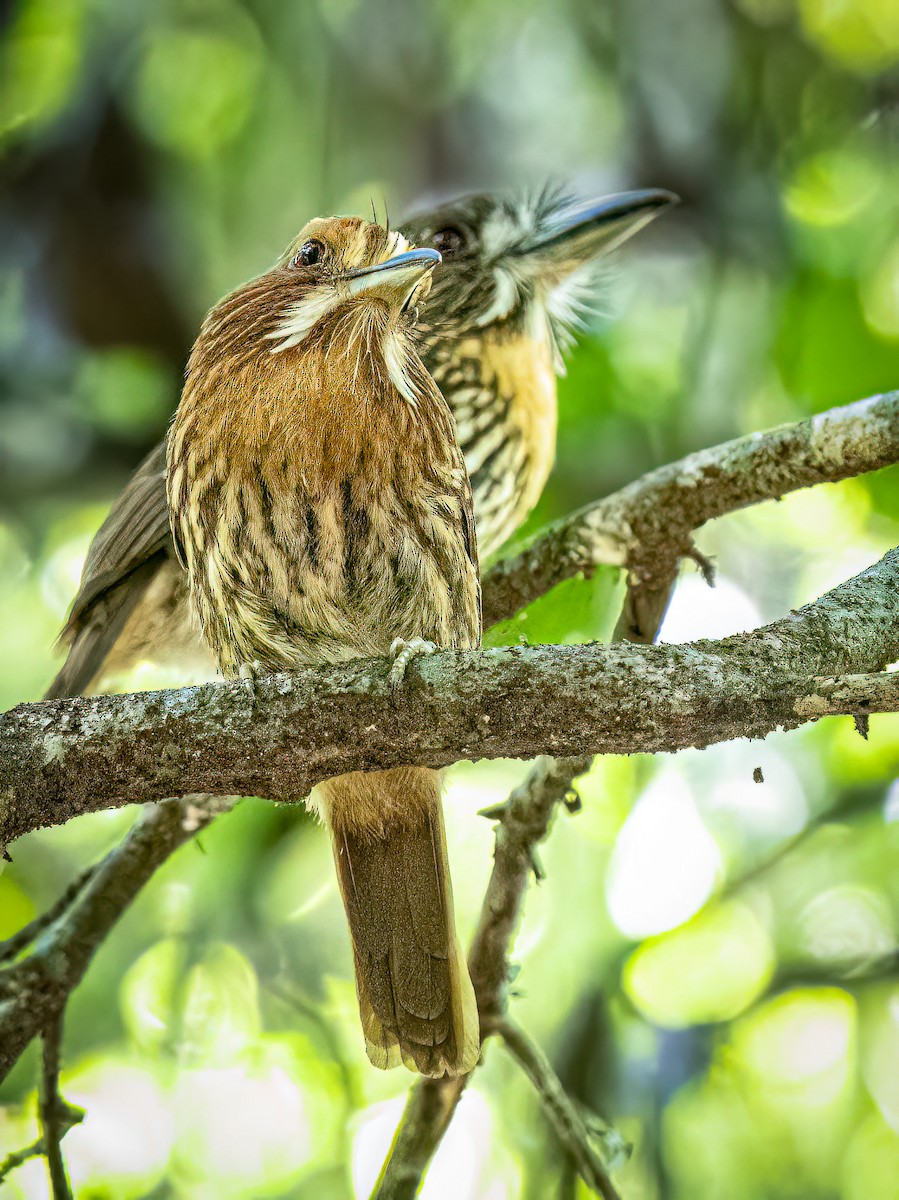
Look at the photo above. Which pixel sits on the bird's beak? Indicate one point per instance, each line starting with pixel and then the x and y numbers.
pixel 395 280
pixel 587 233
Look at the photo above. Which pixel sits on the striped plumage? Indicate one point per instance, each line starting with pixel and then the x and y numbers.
pixel 321 508
pixel 504 402
pixel 310 474
pixel 521 271
pixel 491 333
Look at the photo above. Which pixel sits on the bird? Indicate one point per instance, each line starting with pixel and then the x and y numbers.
pixel 518 270
pixel 321 509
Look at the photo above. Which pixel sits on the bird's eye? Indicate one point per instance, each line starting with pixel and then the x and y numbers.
pixel 449 240
pixel 309 254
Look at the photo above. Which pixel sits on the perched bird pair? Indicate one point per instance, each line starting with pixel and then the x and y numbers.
pixel 319 509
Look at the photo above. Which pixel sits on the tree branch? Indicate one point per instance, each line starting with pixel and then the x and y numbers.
pixel 284 734
pixel 34 991
pixel 581 1143
pixel 647 526
pixel 13 946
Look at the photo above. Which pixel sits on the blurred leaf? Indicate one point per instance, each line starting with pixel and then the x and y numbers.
pixel 220 1017
pixel 863 34
pixel 578 610
pixel 195 90
pixel 708 970
pixel 127 392
pixel 16 909
pixel 255 1126
pixel 832 187
pixel 122 1147
pixel 871 1164
pixel 39 63
pixel 801 1046
pixel 147 994
pixel 825 348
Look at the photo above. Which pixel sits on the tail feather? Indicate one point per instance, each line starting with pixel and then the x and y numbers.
pixel 415 996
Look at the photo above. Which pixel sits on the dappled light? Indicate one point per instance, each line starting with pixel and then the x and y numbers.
pixel 708 957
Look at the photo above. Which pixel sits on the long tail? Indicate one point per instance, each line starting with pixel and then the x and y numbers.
pixel 415 996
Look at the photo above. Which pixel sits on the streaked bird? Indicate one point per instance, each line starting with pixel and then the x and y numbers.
pixel 496 326
pixel 504 307
pixel 321 509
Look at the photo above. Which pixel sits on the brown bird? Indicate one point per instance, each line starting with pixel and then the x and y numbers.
pixel 501 312
pixel 320 505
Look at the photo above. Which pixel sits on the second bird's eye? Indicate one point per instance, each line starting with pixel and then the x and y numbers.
pixel 449 240
pixel 309 254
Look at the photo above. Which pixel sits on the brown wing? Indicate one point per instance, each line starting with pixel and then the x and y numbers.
pixel 470 537
pixel 131 545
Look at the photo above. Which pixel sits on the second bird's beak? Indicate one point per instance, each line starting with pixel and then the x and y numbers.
pixel 396 280
pixel 584 234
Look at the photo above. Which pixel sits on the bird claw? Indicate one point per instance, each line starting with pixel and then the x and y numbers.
pixel 250 672
pixel 402 653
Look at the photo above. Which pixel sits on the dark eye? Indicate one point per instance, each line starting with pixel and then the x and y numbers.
pixel 310 253
pixel 449 240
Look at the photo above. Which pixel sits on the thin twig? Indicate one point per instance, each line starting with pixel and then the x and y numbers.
pixel 524 824
pixel 578 1141
pixel 13 946
pixel 426 1117
pixel 55 1115
pixel 69 1117
pixel 18 1157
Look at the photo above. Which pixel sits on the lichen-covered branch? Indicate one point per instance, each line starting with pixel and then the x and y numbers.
pixel 855 694
pixel 645 526
pixel 648 526
pixel 283 734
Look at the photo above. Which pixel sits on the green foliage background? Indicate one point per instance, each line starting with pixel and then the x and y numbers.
pixel 709 959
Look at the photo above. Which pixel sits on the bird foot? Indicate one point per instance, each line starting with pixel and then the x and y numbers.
pixel 250 672
pixel 402 653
